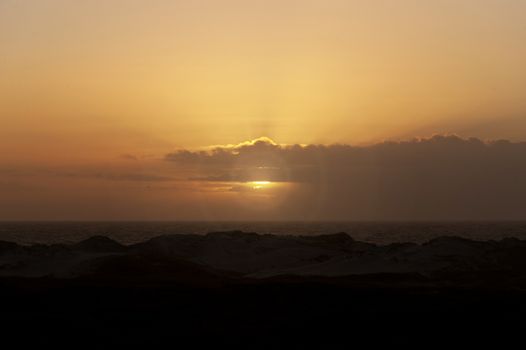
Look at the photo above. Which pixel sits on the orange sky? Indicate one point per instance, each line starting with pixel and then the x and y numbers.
pixel 84 83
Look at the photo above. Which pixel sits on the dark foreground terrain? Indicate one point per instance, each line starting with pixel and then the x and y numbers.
pixel 252 291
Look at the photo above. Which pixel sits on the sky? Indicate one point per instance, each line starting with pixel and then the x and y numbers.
pixel 197 110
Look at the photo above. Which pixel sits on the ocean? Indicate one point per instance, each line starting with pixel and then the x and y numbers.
pixel 374 232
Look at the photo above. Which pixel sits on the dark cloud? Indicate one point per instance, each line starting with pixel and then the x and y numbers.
pixel 442 177
pixel 263 159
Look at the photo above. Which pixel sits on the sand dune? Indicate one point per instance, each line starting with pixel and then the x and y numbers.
pixel 262 256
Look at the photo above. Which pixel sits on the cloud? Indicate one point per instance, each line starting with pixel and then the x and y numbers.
pixel 141 177
pixel 128 157
pixel 263 159
pixel 134 177
pixel 442 177
pixel 260 159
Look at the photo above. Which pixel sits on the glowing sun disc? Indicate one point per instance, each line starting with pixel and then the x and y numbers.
pixel 259 184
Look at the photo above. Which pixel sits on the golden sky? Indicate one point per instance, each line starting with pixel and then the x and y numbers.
pixel 86 86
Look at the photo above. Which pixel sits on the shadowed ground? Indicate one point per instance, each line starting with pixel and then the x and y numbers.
pixel 150 294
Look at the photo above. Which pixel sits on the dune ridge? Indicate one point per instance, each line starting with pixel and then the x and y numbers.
pixel 252 255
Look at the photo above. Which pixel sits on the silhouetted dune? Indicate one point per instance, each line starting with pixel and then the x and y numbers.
pixel 7 246
pixel 262 256
pixel 99 244
pixel 269 291
pixel 129 269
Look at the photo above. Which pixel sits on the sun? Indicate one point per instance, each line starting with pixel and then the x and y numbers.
pixel 259 184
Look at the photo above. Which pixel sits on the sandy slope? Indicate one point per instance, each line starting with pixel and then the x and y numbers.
pixel 259 256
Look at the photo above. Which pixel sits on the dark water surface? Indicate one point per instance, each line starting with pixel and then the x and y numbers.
pixel 375 232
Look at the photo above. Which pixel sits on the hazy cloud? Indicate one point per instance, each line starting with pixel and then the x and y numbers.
pixel 128 157
pixel 442 177
pixel 122 176
pixel 264 159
